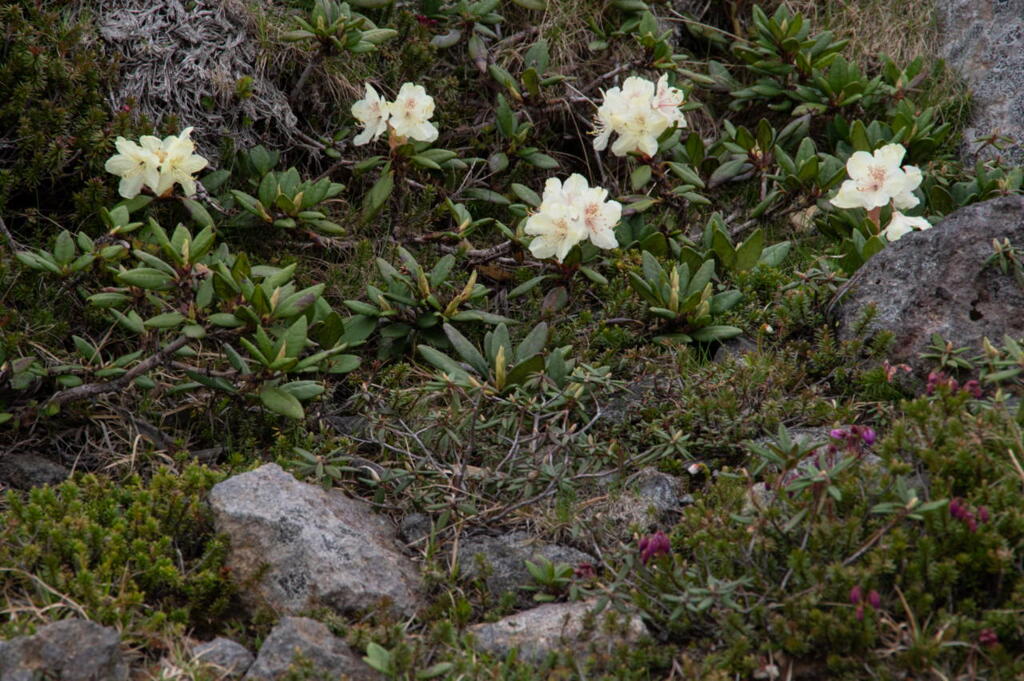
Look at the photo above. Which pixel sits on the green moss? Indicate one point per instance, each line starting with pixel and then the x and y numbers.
pixel 140 554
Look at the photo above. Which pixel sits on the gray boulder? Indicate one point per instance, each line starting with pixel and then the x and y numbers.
pixel 501 560
pixel 227 655
pixel 558 626
pixel 936 282
pixel 69 650
pixel 302 641
pixel 984 41
pixel 296 546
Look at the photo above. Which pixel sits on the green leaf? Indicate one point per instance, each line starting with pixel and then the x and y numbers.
pixel 539 160
pixel 86 349
pixel 715 333
pixel 296 337
pixel 303 390
pixel 728 171
pixel 534 342
pixel 481 316
pixel 524 369
pixel 529 285
pixel 749 252
pixel 378 195
pixel 164 321
pixel 466 350
pixel 64 250
pixel 281 402
pixel 198 213
pixel 108 299
pixel 444 363
pixel 145 277
pixel 525 194
pixel 640 177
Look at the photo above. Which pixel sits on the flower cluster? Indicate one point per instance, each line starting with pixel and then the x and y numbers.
pixel 876 180
pixel 156 164
pixel 854 437
pixel 653 546
pixel 937 379
pixel 408 117
pixel 638 113
pixel 962 512
pixel 570 213
pixel 874 599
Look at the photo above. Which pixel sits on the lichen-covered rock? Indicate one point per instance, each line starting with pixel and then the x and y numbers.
pixel 69 650
pixel 301 641
pixel 936 282
pixel 296 546
pixel 228 656
pixel 558 626
pixel 177 57
pixel 984 41
pixel 501 560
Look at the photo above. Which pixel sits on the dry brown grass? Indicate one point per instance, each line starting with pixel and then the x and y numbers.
pixel 901 30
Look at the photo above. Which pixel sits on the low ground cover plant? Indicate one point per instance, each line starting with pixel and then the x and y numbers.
pixel 526 250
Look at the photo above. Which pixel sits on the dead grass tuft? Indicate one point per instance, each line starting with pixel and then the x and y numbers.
pixel 187 60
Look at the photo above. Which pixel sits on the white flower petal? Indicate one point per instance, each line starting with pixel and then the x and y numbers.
pixel 891 155
pixel 130 187
pixel 859 164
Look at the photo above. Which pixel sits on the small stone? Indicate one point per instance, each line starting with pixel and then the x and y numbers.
pixel 662 492
pixel 24 471
pixel 734 348
pixel 300 640
pixel 415 529
pixel 504 558
pixel 69 650
pixel 297 547
pixel 558 626
pixel 230 657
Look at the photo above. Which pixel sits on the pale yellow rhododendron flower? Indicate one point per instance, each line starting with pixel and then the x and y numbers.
pixel 179 163
pixel 373 112
pixel 876 179
pixel 667 100
pixel 638 113
pixel 569 213
pixel 411 112
pixel 900 224
pixel 156 164
pixel 906 199
pixel 554 230
pixel 137 165
pixel 591 207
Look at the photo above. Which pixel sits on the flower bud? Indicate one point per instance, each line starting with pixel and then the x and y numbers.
pixel 856 594
pixel 983 514
pixel 874 599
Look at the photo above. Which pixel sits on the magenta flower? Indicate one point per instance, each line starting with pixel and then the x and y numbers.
pixel 988 638
pixel 874 599
pixel 856 593
pixel 653 546
pixel 983 514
